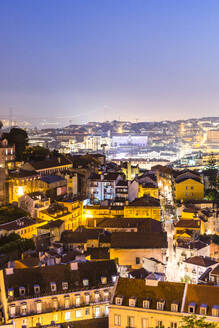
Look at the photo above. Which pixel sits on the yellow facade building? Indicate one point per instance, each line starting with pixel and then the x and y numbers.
pixel 144 207
pixel 56 294
pixel 149 303
pixel 189 186
pixel 148 189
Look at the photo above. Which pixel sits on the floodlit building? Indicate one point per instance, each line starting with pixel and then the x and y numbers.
pixel 56 294
pixel 147 303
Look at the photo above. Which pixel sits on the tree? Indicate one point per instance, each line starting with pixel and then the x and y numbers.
pixel 193 322
pixel 19 138
pixel 212 172
pixel 1 125
pixel 36 153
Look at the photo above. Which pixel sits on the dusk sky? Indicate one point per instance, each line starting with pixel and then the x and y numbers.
pixel 92 60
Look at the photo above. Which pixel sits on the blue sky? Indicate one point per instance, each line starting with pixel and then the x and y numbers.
pixel 97 60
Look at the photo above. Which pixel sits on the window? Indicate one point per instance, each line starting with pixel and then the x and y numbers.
pixel 36 289
pixel 192 187
pixel 106 294
pixel 137 260
pixel 191 193
pixel 117 320
pixel 64 285
pixel 118 300
pixel 67 316
pixel 67 302
pixel 11 292
pixel 130 322
pixel 55 303
pixel 87 298
pixel 215 311
pixel 87 311
pixel 78 314
pixel 23 308
pixel 85 282
pixel 144 323
pixel 97 296
pixel 55 317
pixel 38 306
pixel 173 325
pixel 191 309
pixel 12 310
pixel 132 301
pixel 146 304
pixel 103 280
pixel 53 286
pixel 186 187
pixel 159 324
pixel 77 300
pixel 187 193
pixel 203 309
pixel 160 306
pixel 97 312
pixel 174 307
pixel 21 291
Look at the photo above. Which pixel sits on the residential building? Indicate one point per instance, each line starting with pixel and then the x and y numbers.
pixel 56 294
pixel 188 185
pixel 129 248
pixel 144 207
pixel 151 303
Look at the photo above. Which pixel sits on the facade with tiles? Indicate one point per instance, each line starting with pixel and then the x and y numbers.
pixel 143 304
pixel 56 294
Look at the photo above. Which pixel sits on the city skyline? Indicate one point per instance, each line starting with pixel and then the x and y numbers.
pixel 101 60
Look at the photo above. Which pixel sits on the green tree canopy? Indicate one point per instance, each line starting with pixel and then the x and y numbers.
pixel 193 322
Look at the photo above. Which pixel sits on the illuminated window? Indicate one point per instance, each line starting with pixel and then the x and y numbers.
pixel 132 301
pixel 85 282
pixel 146 304
pixel 23 308
pixel 144 323
pixel 215 310
pixel 53 286
pixel 159 324
pixel 12 309
pixel 173 325
pixel 87 298
pixel 87 311
pixel 130 322
pixel 118 300
pixel 55 317
pixel 203 309
pixel 160 305
pixel 97 311
pixel 11 292
pixel 117 320
pixel 106 310
pixel 174 307
pixel 38 306
pixel 55 303
pixel 78 314
pixel 77 300
pixel 103 280
pixel 97 296
pixel 67 302
pixel 67 316
pixel 64 285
